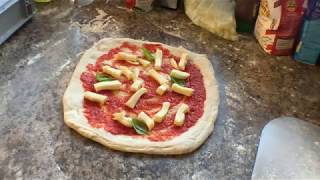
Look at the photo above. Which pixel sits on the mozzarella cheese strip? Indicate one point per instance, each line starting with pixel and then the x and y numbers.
pixel 146 119
pixel 158 117
pixel 136 73
pixel 131 103
pixel 173 63
pixel 126 57
pixel 109 63
pixel 133 62
pixel 112 71
pixel 95 97
pixel 180 115
pixel 127 72
pixel 143 62
pixel 158 59
pixel 162 89
pixel 156 76
pixel 179 74
pixel 137 84
pixel 107 85
pixel 183 61
pixel 121 118
pixel 181 90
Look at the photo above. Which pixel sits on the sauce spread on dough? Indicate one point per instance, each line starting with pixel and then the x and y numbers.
pixel 100 116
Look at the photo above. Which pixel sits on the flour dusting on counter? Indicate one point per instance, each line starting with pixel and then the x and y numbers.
pixel 100 23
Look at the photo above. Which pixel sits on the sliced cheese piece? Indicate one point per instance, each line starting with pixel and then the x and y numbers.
pixel 183 61
pixel 127 72
pixel 120 94
pixel 112 71
pixel 133 62
pixel 109 63
pixel 107 85
pixel 180 115
pixel 126 57
pixel 121 118
pixel 95 97
pixel 158 117
pixel 179 74
pixel 136 73
pixel 162 89
pixel 126 50
pixel 181 90
pixel 137 84
pixel 158 59
pixel 156 76
pixel 143 62
pixel 146 119
pixel 173 63
pixel 131 103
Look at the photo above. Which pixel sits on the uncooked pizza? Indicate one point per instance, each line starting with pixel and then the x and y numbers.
pixel 145 97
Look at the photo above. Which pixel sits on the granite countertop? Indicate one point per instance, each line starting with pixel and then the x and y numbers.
pixel 36 64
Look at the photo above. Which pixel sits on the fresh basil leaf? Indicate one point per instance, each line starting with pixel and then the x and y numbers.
pixel 147 54
pixel 139 126
pixel 101 77
pixel 181 82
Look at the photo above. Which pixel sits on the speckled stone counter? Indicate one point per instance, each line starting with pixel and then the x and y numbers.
pixel 36 64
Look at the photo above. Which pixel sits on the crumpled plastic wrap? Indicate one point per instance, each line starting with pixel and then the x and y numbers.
pixel 217 16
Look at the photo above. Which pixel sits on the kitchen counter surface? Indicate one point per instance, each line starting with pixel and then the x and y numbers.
pixel 36 64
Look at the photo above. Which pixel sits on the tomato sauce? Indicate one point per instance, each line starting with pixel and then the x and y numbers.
pixel 100 116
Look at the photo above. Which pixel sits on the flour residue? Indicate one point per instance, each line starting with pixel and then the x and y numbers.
pixel 172 28
pixel 59 42
pixel 40 44
pixel 61 68
pixel 240 148
pixel 49 11
pixel 101 23
pixel 63 14
pixel 34 59
pixel 3 102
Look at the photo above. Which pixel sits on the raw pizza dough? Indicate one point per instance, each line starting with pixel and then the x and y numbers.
pixel 184 143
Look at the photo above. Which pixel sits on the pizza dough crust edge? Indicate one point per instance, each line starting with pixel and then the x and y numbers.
pixel 184 143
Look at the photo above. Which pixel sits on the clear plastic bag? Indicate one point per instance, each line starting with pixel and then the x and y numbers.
pixel 217 16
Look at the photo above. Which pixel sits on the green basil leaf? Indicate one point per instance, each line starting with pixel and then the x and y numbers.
pixel 139 126
pixel 147 54
pixel 181 82
pixel 101 77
